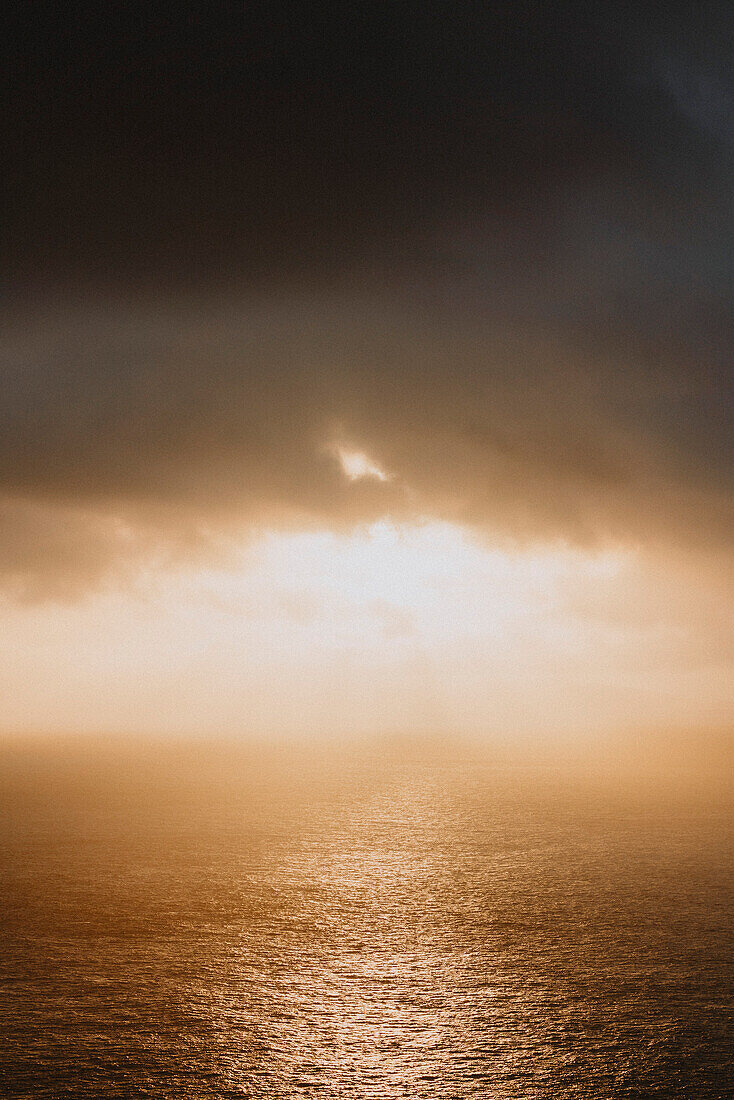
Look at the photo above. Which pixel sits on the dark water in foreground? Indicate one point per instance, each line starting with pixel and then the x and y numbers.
pixel 200 923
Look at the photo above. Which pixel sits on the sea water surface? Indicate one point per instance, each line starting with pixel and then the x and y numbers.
pixel 196 921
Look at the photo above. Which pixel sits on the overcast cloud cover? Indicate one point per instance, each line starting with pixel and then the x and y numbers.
pixel 488 245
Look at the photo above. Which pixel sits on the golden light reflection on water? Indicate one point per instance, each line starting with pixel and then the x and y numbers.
pixel 373 966
pixel 371 927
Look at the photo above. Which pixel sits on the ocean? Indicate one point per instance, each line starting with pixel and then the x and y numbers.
pixel 187 921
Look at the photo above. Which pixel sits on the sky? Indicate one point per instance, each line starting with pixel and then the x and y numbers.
pixel 367 369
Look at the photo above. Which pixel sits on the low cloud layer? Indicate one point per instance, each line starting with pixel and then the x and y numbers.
pixel 189 425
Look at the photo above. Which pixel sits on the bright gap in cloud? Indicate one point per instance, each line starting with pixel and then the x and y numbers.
pixel 415 627
pixel 356 465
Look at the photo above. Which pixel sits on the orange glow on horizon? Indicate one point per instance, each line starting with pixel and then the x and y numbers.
pixel 394 627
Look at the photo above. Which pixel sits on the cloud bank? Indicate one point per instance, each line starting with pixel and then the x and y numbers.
pixel 489 249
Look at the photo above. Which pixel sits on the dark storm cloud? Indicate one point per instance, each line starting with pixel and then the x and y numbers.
pixel 261 141
pixel 488 244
